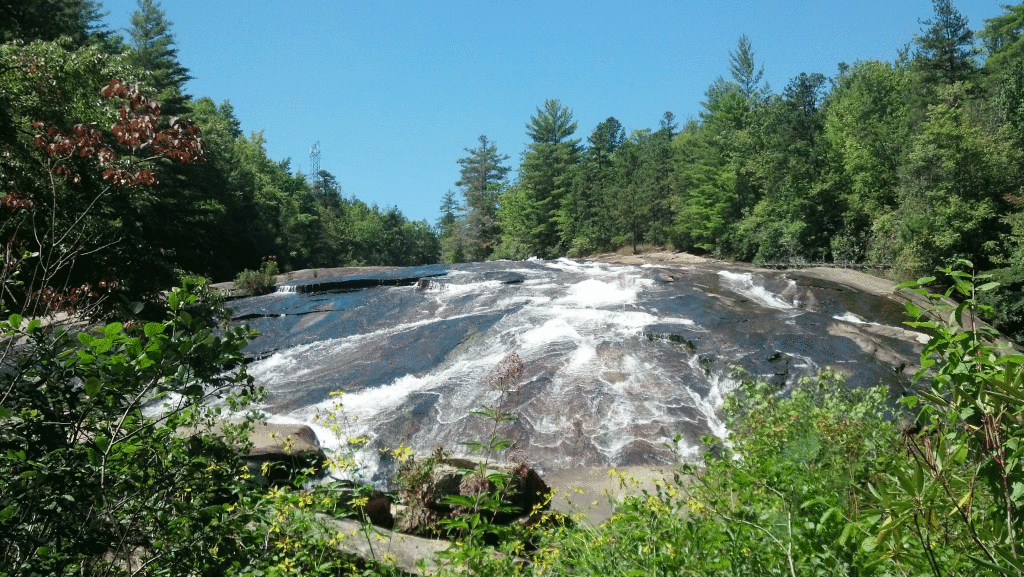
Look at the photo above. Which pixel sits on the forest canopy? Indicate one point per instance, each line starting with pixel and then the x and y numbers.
pixel 901 165
pixel 904 165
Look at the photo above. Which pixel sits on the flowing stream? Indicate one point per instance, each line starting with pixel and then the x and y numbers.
pixel 618 359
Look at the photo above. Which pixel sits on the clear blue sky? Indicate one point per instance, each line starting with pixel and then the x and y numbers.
pixel 395 90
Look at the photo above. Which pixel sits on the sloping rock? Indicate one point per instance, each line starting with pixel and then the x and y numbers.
pixel 406 550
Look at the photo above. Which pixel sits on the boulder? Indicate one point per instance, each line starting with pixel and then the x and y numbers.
pixel 422 506
pixel 405 551
pixel 280 451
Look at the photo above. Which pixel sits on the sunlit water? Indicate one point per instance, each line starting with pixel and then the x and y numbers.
pixel 617 361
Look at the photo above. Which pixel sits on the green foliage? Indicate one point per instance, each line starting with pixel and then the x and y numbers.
pixel 153 50
pixel 543 183
pixel 1006 302
pixel 551 124
pixel 705 185
pixel 1003 37
pixel 745 72
pixel 482 179
pixel 258 282
pixel 94 481
pixel 946 49
pixel 48 20
pixel 955 505
pixel 866 125
pixel 515 215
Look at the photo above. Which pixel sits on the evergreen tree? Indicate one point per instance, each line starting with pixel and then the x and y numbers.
pixel 1003 37
pixel 946 49
pixel 48 20
pixel 745 72
pixel 544 176
pixel 449 229
pixel 552 124
pixel 605 139
pixel 449 210
pixel 482 179
pixel 585 219
pixel 794 216
pixel 153 50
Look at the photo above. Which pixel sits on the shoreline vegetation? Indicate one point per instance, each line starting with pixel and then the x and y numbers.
pixel 823 480
pixel 118 184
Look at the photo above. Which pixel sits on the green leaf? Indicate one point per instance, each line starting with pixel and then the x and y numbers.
pixel 1018 492
pixel 15 321
pixel 154 329
pixel 960 455
pixel 112 330
pixel 93 386
pixel 100 346
pixel 459 501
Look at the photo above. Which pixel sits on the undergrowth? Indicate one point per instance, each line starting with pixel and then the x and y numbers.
pixel 819 481
pixel 258 282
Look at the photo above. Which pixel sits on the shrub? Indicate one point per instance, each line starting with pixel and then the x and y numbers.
pixel 258 282
pixel 92 482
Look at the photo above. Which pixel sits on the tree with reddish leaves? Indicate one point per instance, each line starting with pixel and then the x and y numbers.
pixel 61 245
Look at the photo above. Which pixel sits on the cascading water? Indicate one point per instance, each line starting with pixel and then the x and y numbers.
pixel 618 359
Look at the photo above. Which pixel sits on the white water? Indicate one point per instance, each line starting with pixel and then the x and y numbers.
pixel 744 284
pixel 594 385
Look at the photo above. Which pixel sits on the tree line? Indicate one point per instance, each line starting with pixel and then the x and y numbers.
pixel 907 165
pixel 212 218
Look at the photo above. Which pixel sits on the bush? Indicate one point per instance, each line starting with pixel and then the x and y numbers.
pixel 1006 302
pixel 93 482
pixel 258 282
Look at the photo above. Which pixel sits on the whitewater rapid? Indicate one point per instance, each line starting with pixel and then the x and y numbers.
pixel 617 359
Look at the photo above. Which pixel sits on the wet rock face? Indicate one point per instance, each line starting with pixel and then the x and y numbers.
pixel 618 359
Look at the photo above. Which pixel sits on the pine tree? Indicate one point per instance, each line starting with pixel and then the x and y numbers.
pixel 1004 38
pixel 946 50
pixel 48 20
pixel 482 179
pixel 153 50
pixel 552 124
pixel 745 72
pixel 544 175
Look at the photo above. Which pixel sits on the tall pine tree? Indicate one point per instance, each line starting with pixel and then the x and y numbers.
pixel 153 50
pixel 946 50
pixel 482 177
pixel 544 176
